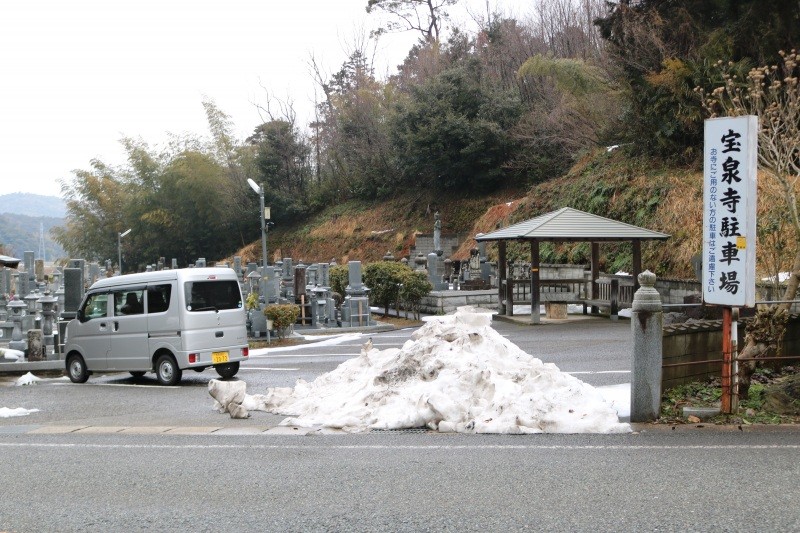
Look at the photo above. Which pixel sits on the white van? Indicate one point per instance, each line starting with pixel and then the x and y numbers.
pixel 163 322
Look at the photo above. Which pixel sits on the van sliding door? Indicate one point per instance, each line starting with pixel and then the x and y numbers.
pixel 129 349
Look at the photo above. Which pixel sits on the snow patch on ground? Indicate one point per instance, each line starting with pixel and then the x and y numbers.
pixel 8 412
pixel 30 379
pixel 319 340
pixel 9 355
pixel 456 374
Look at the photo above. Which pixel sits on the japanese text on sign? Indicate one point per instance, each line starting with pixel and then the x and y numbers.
pixel 729 211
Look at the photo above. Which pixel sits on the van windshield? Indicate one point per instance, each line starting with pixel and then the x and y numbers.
pixel 212 295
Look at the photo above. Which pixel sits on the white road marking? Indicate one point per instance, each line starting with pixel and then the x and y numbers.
pixel 446 447
pixel 131 385
pixel 300 355
pixel 601 372
pixel 266 368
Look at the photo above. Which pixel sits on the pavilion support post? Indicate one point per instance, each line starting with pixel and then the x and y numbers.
pixel 535 314
pixel 595 274
pixel 502 288
pixel 637 263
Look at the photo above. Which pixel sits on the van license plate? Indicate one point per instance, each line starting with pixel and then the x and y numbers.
pixel 219 357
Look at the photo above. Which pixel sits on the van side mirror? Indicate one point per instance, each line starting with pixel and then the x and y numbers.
pixel 80 316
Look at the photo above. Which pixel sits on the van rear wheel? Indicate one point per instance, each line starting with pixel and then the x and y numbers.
pixel 227 370
pixel 76 368
pixel 167 371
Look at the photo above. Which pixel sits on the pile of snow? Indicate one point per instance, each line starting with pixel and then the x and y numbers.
pixel 8 412
pixel 456 374
pixel 28 379
pixel 7 355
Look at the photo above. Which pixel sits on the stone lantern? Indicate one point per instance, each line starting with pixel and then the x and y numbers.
pixel 253 278
pixel 16 308
pixel 48 303
pixel 30 318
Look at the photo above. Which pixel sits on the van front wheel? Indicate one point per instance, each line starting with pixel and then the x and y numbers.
pixel 227 370
pixel 167 371
pixel 76 368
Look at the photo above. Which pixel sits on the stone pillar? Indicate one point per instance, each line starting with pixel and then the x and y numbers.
pixel 35 346
pixel 647 319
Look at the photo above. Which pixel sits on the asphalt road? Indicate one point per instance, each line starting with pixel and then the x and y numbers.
pixel 115 476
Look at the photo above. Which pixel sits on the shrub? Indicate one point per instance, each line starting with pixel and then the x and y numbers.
pixel 282 316
pixel 252 301
pixel 339 277
pixel 385 279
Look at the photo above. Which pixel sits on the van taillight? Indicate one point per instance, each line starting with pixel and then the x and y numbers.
pixel 194 357
pixel 245 352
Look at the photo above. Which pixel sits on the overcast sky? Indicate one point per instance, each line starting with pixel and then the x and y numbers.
pixel 78 75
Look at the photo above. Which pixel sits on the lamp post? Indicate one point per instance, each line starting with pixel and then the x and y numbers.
pixel 264 216
pixel 119 247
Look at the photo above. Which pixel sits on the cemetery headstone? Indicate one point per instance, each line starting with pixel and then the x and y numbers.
pixel 73 291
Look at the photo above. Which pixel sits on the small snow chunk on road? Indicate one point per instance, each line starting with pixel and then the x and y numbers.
pixel 456 374
pixel 27 379
pixel 8 412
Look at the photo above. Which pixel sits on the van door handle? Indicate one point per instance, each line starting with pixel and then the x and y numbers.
pixel 218 334
pixel 116 326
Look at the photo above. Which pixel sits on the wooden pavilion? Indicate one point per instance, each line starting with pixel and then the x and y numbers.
pixel 567 225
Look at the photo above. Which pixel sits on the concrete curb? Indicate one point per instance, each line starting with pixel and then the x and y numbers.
pixel 30 366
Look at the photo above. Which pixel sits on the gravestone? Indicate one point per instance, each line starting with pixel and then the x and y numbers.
pixel 299 281
pixel 325 275
pixel 287 269
pixel 94 273
pixel 79 264
pixel 355 308
pixel 73 292
pixel 29 264
pixel 23 287
pixel 38 266
pixel 200 263
pixel 174 264
pixel 5 280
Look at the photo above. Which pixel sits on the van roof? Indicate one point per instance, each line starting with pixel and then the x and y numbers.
pixel 186 274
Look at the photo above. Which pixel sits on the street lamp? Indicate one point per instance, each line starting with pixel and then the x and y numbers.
pixel 119 247
pixel 264 216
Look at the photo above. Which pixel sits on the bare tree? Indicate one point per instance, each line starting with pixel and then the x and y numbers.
pixel 424 16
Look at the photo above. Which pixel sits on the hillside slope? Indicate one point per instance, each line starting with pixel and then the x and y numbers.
pixel 613 185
